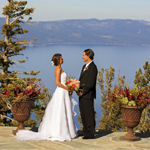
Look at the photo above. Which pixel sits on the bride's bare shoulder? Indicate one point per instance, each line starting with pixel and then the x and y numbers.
pixel 57 70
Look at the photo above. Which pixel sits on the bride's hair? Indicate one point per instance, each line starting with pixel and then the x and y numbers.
pixel 56 59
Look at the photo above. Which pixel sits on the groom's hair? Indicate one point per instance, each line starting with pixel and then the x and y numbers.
pixel 89 53
pixel 56 59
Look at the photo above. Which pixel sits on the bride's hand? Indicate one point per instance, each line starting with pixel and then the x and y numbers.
pixel 70 92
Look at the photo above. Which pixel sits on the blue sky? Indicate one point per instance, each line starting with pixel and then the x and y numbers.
pixel 50 10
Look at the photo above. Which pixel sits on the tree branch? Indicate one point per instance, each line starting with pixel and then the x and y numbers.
pixel 9 106
pixel 26 42
pixel 4 116
pixel 17 18
pixel 9 55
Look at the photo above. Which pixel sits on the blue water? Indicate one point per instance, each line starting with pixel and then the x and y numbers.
pixel 127 58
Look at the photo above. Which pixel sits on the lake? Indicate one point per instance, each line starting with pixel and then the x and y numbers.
pixel 126 58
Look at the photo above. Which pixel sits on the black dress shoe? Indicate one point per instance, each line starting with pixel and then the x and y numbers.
pixel 88 137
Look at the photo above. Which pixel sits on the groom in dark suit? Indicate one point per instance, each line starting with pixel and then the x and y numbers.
pixel 87 79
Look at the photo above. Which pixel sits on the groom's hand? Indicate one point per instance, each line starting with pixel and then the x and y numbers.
pixel 79 94
pixel 70 92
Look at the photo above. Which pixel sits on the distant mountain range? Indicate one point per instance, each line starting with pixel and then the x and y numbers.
pixel 88 31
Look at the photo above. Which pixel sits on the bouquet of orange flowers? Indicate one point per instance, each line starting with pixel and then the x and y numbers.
pixel 73 84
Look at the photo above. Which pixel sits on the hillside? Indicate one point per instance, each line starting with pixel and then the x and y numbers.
pixel 88 31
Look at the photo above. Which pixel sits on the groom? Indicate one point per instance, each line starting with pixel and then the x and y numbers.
pixel 86 96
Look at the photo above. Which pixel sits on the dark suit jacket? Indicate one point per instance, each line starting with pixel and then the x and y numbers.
pixel 88 81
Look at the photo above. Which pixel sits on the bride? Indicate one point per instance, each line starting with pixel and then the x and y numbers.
pixel 58 120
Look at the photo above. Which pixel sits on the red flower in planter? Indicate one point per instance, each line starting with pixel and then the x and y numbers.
pixel 7 93
pixel 20 90
pixel 38 91
pixel 127 92
pixel 131 96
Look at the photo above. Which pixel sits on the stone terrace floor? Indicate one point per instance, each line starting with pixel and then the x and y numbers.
pixel 104 140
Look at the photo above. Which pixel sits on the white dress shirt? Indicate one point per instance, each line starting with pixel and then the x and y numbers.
pixel 87 65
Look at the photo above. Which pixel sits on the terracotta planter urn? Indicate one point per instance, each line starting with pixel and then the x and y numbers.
pixel 21 112
pixel 131 117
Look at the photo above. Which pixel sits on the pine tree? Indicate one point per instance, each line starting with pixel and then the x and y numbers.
pixel 15 12
pixel 11 46
pixel 142 80
pixel 111 115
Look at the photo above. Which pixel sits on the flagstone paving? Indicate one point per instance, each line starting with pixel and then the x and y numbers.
pixel 104 140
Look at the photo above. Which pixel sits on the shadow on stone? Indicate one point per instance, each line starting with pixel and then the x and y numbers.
pixel 101 133
pixel 143 135
pixel 80 133
pixel 97 134
pixel 34 129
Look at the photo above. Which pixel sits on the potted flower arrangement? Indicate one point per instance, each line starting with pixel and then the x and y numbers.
pixel 132 102
pixel 137 96
pixel 21 95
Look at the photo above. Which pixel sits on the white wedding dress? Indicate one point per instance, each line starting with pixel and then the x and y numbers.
pixel 58 120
